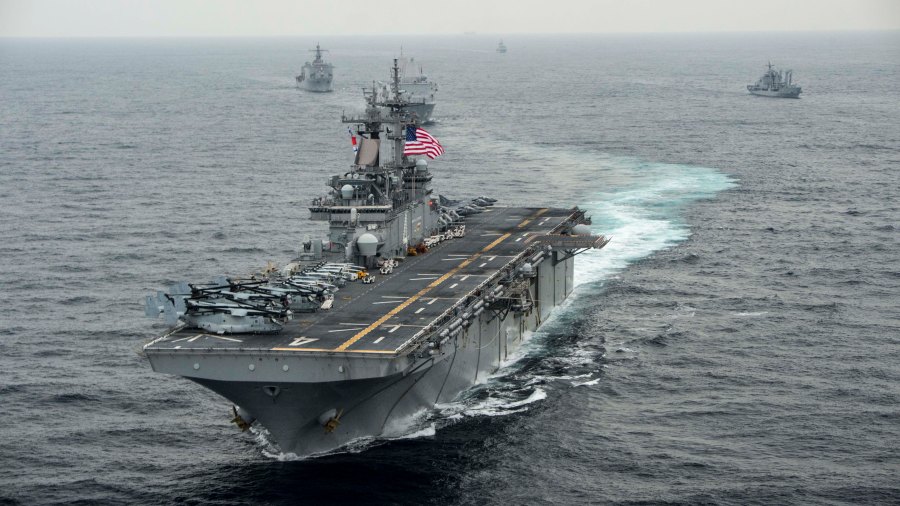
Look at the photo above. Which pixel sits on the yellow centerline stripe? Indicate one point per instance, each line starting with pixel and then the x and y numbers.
pixel 329 350
pixel 361 334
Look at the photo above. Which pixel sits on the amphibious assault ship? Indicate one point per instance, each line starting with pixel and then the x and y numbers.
pixel 410 300
pixel 775 83
pixel 316 75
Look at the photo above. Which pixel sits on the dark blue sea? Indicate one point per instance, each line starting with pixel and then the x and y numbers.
pixel 738 341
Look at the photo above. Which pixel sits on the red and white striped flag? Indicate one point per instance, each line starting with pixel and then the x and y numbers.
pixel 420 142
pixel 353 140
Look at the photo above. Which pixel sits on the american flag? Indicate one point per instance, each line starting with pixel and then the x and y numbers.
pixel 420 142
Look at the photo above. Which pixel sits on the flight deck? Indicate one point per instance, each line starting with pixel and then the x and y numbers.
pixel 384 317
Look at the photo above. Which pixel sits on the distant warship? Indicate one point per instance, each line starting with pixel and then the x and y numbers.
pixel 501 48
pixel 316 75
pixel 411 299
pixel 415 87
pixel 775 83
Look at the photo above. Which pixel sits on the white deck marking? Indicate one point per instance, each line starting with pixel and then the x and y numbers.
pixel 388 302
pixel 420 310
pixel 178 347
pixel 467 275
pixel 341 330
pixel 493 234
pixel 519 239
pixel 198 336
pixel 300 341
pixel 378 340
pixel 191 338
pixel 228 339
pixel 359 324
pixel 432 301
pixel 482 265
pixel 393 297
pixel 492 258
pixel 423 279
pixel 393 329
pixel 454 285
pixel 429 274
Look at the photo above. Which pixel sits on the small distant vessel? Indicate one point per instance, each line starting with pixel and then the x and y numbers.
pixel 316 75
pixel 775 83
pixel 501 48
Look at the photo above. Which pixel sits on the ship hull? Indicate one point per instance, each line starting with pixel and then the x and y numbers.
pixel 383 406
pixel 423 110
pixel 793 93
pixel 315 85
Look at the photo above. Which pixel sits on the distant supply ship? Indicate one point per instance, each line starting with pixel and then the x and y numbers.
pixel 317 75
pixel 501 48
pixel 410 299
pixel 775 83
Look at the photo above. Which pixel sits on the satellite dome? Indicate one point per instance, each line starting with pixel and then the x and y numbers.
pixel 347 191
pixel 367 244
pixel 421 165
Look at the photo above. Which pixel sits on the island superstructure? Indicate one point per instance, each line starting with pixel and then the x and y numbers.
pixel 410 300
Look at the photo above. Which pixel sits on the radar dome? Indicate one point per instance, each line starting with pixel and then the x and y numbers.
pixel 367 244
pixel 581 230
pixel 347 191
pixel 421 165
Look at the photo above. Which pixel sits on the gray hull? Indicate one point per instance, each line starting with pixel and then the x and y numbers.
pixel 375 405
pixel 789 93
pixel 317 85
pixel 423 111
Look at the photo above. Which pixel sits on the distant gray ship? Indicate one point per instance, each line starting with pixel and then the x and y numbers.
pixel 411 299
pixel 501 48
pixel 316 75
pixel 775 83
pixel 415 87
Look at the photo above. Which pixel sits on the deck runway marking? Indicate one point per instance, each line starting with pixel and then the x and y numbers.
pixel 392 297
pixel 300 341
pixel 454 285
pixel 392 330
pixel 423 279
pixel 519 239
pixel 356 324
pixel 188 337
pixel 482 265
pixel 433 301
pixel 228 339
pixel 341 330
pixel 465 263
pixel 378 340
pixel 198 336
pixel 420 310
pixel 387 302
pixel 463 278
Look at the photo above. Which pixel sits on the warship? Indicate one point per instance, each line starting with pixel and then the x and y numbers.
pixel 415 87
pixel 775 83
pixel 316 75
pixel 410 300
pixel 501 48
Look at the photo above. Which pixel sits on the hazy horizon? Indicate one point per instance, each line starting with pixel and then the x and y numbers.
pixel 285 18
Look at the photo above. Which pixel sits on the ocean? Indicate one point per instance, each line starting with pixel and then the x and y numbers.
pixel 737 342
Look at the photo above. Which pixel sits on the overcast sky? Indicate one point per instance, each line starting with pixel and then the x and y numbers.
pixel 141 18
